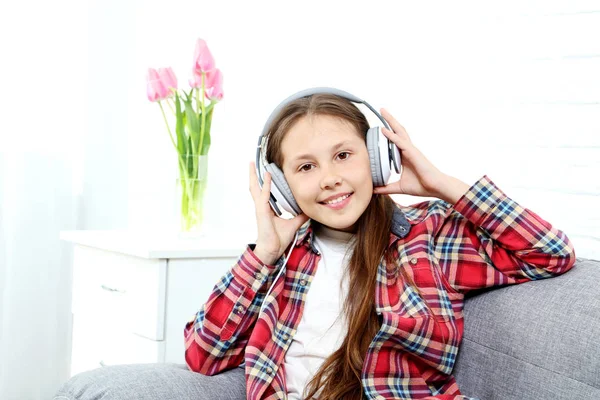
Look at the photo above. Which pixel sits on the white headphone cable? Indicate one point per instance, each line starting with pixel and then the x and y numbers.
pixel 280 272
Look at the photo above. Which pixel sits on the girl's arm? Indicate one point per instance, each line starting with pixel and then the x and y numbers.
pixel 216 337
pixel 487 239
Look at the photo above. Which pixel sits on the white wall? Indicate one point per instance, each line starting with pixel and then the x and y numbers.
pixel 110 30
pixel 511 91
pixel 43 76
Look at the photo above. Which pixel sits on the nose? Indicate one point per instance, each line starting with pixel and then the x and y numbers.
pixel 331 178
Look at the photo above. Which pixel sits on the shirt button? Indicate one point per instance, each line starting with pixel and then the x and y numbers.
pixel 286 336
pixel 239 309
pixel 303 282
pixel 258 276
pixel 269 370
pixel 413 261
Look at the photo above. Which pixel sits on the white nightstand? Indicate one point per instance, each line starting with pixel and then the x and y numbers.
pixel 134 292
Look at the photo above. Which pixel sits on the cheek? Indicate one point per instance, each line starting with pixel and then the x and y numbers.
pixel 364 173
pixel 303 190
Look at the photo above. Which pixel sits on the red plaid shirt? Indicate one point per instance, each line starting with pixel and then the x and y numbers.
pixel 484 240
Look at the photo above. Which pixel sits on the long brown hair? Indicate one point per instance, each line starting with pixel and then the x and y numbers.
pixel 339 377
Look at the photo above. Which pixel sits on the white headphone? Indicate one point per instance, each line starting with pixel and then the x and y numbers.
pixel 383 153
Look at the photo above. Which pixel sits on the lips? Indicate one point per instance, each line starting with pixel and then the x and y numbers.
pixel 340 205
pixel 337 196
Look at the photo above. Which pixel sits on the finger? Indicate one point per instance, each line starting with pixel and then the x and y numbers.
pixel 253 184
pixel 299 220
pixel 394 124
pixel 255 188
pixel 383 190
pixel 398 140
pixel 266 189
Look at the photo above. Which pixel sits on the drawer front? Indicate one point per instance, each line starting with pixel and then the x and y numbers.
pixel 96 345
pixel 190 283
pixel 122 347
pixel 120 290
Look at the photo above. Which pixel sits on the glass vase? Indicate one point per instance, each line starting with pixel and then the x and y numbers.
pixel 191 188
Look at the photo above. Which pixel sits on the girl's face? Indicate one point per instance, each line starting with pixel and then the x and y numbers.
pixel 324 156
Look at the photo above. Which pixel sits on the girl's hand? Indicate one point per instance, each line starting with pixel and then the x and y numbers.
pixel 274 233
pixel 419 176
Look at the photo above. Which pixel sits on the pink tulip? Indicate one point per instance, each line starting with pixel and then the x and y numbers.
pixel 214 85
pixel 168 79
pixel 203 59
pixel 196 80
pixel 155 89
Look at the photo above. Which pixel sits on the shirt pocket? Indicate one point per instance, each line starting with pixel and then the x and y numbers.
pixel 423 291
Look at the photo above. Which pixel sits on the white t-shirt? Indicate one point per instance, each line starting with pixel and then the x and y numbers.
pixel 323 327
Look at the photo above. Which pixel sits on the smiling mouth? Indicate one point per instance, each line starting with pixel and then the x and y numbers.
pixel 338 201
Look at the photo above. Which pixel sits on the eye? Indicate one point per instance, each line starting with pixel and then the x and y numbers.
pixel 346 153
pixel 303 169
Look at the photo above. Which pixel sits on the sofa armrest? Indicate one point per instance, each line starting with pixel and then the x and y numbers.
pixel 536 340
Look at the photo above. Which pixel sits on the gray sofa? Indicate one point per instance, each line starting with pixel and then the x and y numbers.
pixel 537 340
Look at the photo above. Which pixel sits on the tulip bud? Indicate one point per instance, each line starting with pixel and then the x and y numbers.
pixel 168 79
pixel 214 85
pixel 196 80
pixel 203 59
pixel 155 88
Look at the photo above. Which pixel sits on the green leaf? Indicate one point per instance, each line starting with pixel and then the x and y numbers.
pixel 206 141
pixel 192 125
pixel 184 148
pixel 179 126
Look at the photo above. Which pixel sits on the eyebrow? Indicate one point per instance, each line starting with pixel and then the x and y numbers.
pixel 333 149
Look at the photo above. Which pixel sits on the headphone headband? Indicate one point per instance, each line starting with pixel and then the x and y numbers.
pixel 318 90
pixel 382 154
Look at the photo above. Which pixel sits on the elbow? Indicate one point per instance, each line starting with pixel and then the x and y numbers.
pixel 200 355
pixel 570 257
pixel 564 256
pixel 195 358
pixel 198 360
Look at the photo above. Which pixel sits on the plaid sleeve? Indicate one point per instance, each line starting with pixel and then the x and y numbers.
pixel 217 335
pixel 487 240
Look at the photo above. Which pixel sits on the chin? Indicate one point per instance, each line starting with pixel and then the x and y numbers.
pixel 341 224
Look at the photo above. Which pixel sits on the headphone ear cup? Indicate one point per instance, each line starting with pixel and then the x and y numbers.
pixel 373 145
pixel 281 190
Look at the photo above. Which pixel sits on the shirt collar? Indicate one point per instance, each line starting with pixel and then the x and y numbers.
pixel 400 228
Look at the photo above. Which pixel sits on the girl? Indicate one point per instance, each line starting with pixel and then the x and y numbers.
pixel 370 301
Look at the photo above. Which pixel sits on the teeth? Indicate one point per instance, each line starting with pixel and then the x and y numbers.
pixel 337 200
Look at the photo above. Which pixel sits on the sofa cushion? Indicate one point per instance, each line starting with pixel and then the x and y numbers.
pixel 536 340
